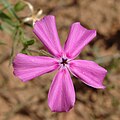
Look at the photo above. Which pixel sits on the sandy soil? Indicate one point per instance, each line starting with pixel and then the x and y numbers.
pixel 28 101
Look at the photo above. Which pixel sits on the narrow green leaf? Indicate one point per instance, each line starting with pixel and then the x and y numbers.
pixel 4 16
pixel 19 6
pixel 7 28
pixel 1 28
pixel 10 8
pixel 2 43
pixel 28 24
pixel 11 23
pixel 24 52
pixel 29 42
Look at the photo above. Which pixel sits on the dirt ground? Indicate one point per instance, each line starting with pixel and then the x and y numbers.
pixel 28 101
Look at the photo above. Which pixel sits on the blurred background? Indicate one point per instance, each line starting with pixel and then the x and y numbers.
pixel 28 101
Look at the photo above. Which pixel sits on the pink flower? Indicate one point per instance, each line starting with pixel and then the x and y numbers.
pixel 61 97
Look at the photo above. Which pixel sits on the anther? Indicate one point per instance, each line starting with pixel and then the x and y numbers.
pixel 64 61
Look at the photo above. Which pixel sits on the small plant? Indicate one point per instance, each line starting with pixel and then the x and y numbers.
pixel 61 96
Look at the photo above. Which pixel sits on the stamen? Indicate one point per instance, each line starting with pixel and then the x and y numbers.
pixel 64 62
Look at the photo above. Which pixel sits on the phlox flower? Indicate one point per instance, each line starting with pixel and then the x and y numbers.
pixel 61 96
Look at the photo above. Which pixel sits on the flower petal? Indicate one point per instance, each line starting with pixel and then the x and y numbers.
pixel 89 72
pixel 61 97
pixel 45 30
pixel 77 39
pixel 28 67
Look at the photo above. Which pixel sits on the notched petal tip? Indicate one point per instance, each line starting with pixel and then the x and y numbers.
pixel 93 32
pixel 64 110
pixel 102 87
pixel 98 87
pixel 21 79
pixel 43 19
